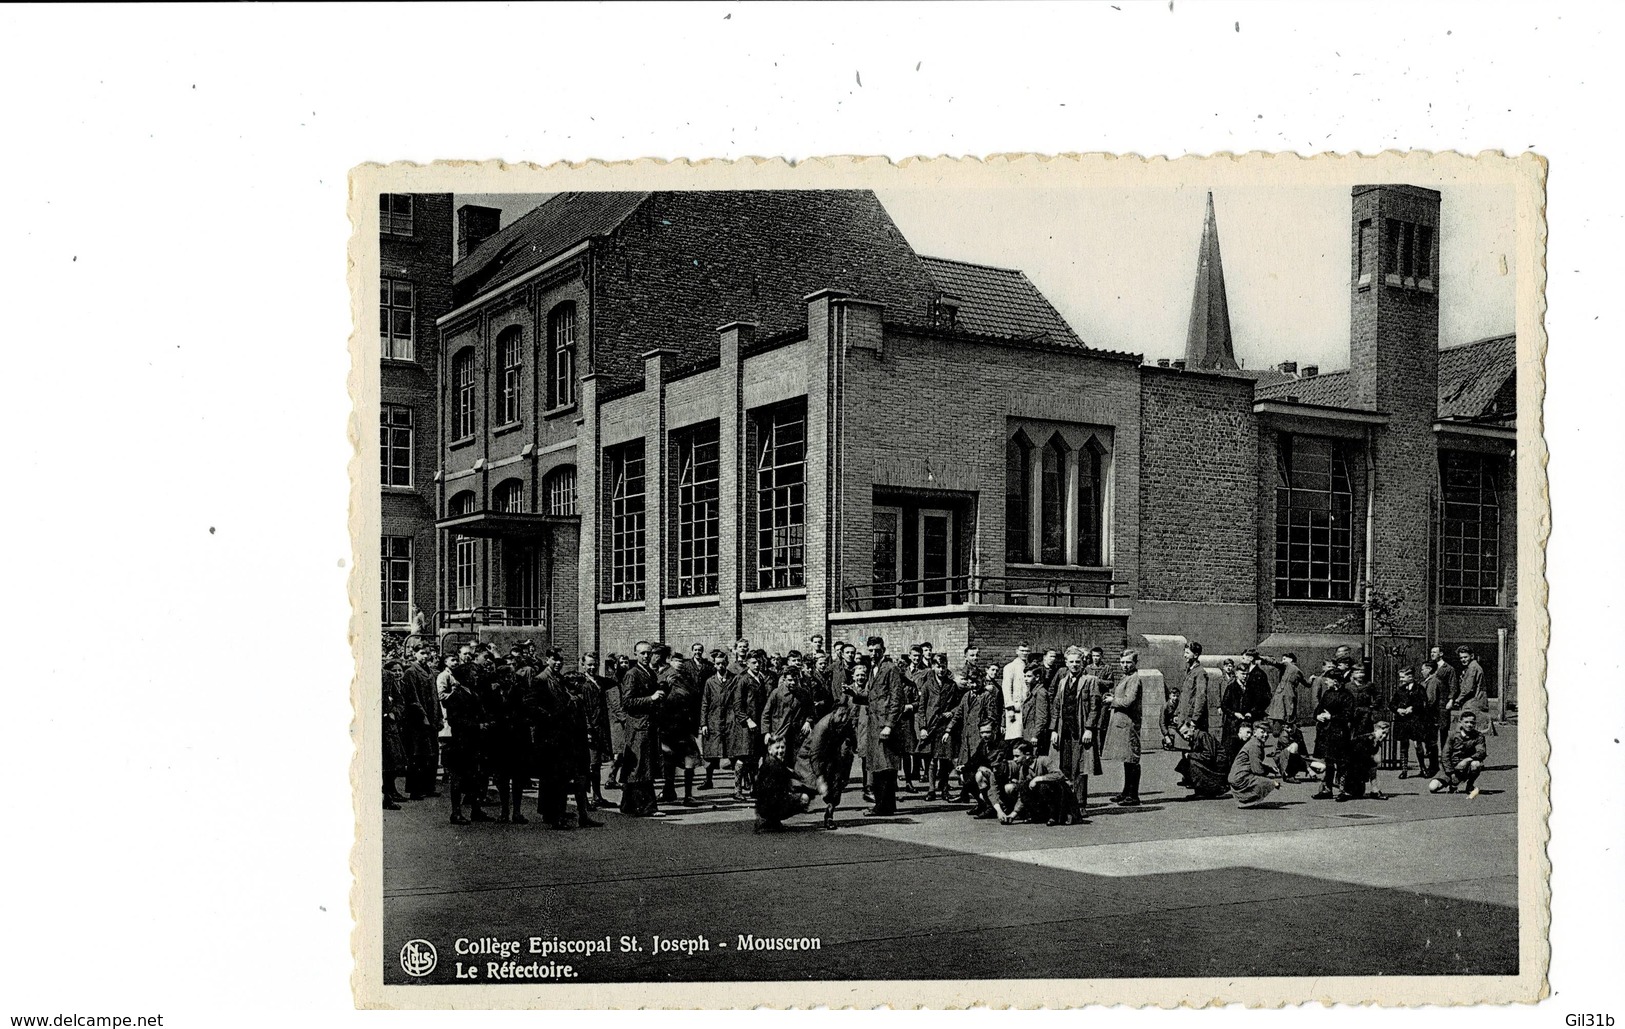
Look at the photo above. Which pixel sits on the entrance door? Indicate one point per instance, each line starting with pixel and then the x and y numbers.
pixel 888 556
pixel 936 556
pixel 522 577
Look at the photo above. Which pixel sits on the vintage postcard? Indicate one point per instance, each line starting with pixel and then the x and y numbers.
pixel 1031 581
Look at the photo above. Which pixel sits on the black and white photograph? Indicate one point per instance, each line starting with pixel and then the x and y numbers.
pixel 723 513
pixel 856 584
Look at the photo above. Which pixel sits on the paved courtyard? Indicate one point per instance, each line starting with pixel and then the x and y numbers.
pixel 1414 885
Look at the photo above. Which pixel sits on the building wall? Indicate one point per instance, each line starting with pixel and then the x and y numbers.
pixel 918 413
pixel 424 259
pixel 1199 503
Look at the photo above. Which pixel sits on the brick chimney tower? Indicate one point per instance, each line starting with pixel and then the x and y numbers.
pixel 1207 344
pixel 475 225
pixel 1394 367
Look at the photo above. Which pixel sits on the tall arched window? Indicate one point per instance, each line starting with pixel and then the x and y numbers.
pixel 1091 503
pixel 509 496
pixel 464 555
pixel 510 353
pixel 1018 489
pixel 462 377
pixel 561 350
pixel 560 489
pixel 1052 502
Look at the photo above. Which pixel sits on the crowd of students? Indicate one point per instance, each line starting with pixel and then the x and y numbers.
pixel 1017 741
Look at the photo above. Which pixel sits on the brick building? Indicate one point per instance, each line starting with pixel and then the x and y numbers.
pixel 693 416
pixel 415 247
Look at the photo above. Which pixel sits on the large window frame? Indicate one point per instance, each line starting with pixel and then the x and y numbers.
pixel 397 318
pixel 463 384
pixel 395 445
pixel 627 508
pixel 1057 500
pixel 1470 530
pixel 465 556
pixel 511 355
pixel 1314 519
pixel 395 214
pixel 780 495
pixel 559 486
pixel 561 356
pixel 698 511
pixel 395 580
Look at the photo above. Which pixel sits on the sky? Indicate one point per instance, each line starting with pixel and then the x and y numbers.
pixel 1120 264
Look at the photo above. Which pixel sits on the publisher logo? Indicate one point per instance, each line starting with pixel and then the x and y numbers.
pixel 418 957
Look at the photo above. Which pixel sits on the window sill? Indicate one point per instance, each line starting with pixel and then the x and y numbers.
pixel 1057 568
pixel 410 491
pixel 794 593
pixel 557 412
pixel 401 362
pixel 506 427
pixel 707 601
pixel 1316 603
pixel 458 444
pixel 622 605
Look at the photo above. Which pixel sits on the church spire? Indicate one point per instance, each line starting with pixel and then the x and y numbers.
pixel 1208 343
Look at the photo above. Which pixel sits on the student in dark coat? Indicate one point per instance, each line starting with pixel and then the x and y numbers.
pixel 1249 776
pixel 1200 697
pixel 787 713
pixel 1464 758
pixel 465 713
pixel 747 692
pixel 714 732
pixel 1035 716
pixel 421 722
pixel 1332 729
pixel 1105 678
pixel 778 792
pixel 975 727
pixel 1073 716
pixel 1433 714
pixel 884 698
pixel 1203 764
pixel 1123 735
pixel 938 699
pixel 641 696
pixel 595 692
pixel 1364 737
pixel 824 762
pixel 1411 722
pixel 510 751
pixel 394 751
pixel 679 722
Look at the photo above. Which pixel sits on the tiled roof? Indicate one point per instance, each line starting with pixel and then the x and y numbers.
pixel 552 228
pixel 1473 378
pixel 1475 381
pixel 1328 389
pixel 1000 302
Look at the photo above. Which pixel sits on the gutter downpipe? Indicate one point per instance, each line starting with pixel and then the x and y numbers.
pixel 1370 548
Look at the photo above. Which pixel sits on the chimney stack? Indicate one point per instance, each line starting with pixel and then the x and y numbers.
pixel 1179 364
pixel 1310 371
pixel 475 225
pixel 1289 367
pixel 1162 362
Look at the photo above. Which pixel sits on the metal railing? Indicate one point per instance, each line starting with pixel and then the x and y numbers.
pixel 1032 591
pixel 484 617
